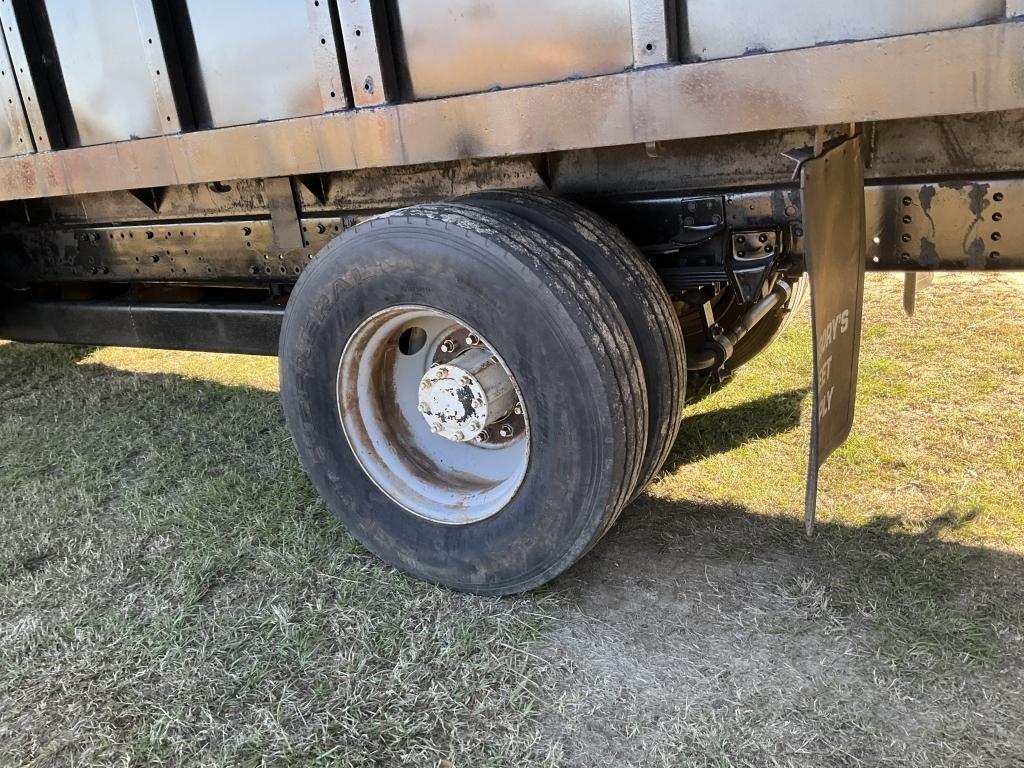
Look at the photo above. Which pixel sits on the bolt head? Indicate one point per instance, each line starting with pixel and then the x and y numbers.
pixel 448 346
pixel 442 372
pixel 458 436
pixel 472 340
pixel 483 436
pixel 436 427
pixel 423 408
pixel 506 431
pixel 518 410
pixel 466 381
pixel 477 405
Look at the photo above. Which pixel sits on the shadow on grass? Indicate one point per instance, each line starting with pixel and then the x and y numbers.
pixel 910 595
pixel 719 431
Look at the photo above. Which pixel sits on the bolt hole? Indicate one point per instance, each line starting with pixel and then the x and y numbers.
pixel 907 201
pixel 412 340
pixel 875 259
pixel 997 216
pixel 359 32
pixel 997 236
pixel 649 46
pixel 907 219
pixel 998 197
pixel 994 255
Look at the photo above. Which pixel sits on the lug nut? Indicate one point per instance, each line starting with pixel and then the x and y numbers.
pixel 458 437
pixel 472 340
pixel 448 346
pixel 466 381
pixel 423 408
pixel 476 405
pixel 506 431
pixel 483 436
pixel 474 427
pixel 436 427
pixel 518 410
pixel 442 372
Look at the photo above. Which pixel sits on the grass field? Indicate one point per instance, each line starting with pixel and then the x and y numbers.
pixel 172 592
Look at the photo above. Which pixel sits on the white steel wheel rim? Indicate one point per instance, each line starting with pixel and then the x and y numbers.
pixel 386 377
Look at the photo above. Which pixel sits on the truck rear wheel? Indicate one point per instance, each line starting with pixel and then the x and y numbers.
pixel 638 293
pixel 464 394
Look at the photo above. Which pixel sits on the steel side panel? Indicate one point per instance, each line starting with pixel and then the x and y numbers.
pixel 980 69
pixel 106 67
pixel 259 60
pixel 465 46
pixel 716 31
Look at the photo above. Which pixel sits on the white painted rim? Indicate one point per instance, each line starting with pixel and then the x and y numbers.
pixel 453 483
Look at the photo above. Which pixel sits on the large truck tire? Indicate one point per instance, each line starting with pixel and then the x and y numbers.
pixel 638 293
pixel 464 394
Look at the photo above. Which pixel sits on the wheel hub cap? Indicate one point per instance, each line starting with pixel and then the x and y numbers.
pixel 461 398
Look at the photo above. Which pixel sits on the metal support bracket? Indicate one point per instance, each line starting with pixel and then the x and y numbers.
pixel 156 58
pixel 284 213
pixel 19 70
pixel 912 283
pixel 832 188
pixel 651 23
pixel 365 51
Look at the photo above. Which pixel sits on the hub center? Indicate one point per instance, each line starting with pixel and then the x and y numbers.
pixel 459 399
